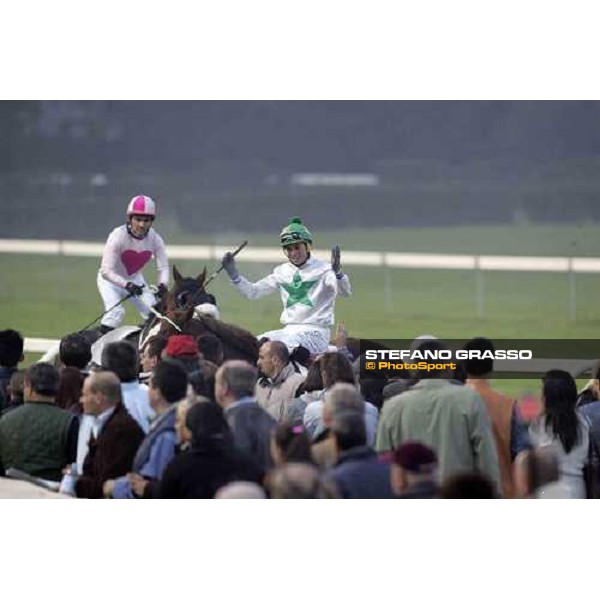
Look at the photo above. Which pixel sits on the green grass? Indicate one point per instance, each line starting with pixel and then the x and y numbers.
pixel 48 296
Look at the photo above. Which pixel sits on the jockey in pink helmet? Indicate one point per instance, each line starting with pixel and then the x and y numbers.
pixel 128 249
pixel 141 212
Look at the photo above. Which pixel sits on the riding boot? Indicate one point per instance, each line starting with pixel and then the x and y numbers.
pixel 104 329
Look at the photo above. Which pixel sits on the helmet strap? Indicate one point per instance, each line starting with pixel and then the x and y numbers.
pixel 133 235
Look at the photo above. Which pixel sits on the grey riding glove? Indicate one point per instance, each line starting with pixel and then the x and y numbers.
pixel 228 263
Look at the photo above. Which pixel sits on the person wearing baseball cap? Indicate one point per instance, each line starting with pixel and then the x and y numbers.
pixel 414 471
pixel 183 349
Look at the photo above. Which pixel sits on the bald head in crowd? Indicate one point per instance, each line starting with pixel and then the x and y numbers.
pixel 241 490
pixel 298 481
pixel 101 391
pixel 272 358
pixel 108 384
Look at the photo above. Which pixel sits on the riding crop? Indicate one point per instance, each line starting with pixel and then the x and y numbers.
pixel 107 311
pixel 237 251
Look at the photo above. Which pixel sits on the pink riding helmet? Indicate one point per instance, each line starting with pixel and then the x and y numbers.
pixel 141 205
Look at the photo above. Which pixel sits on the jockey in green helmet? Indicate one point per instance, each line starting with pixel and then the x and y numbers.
pixel 308 288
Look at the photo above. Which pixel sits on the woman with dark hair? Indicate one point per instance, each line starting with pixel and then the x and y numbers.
pixel 311 389
pixel 560 427
pixel 70 385
pixel 336 368
pixel 312 386
pixel 289 443
pixel 211 460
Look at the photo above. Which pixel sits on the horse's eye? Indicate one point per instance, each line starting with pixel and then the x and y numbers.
pixel 182 298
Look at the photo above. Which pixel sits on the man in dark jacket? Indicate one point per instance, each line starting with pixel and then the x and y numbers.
pixel 38 437
pixel 11 353
pixel 591 413
pixel 116 435
pixel 250 425
pixel 358 472
pixel 168 386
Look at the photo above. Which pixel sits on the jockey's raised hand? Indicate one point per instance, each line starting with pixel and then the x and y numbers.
pixel 228 263
pixel 336 264
pixel 133 289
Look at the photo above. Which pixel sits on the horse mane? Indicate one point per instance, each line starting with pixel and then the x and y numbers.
pixel 233 335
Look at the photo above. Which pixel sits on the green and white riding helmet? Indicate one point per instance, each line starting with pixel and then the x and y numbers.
pixel 294 233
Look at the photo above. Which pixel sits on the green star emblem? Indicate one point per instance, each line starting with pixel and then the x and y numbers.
pixel 298 291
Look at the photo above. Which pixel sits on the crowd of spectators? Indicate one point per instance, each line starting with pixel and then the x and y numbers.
pixel 177 421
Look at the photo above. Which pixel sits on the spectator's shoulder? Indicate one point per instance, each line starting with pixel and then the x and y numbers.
pixel 371 408
pixel 124 422
pixel 464 391
pixel 469 398
pixel 296 378
pixel 393 404
pixel 11 413
pixel 591 410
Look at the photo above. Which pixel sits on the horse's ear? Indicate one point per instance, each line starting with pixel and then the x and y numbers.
pixel 169 301
pixel 177 276
pixel 201 278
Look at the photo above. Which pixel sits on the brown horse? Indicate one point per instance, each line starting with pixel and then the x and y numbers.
pixel 185 305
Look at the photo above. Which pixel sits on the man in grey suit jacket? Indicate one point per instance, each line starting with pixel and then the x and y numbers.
pixel 250 425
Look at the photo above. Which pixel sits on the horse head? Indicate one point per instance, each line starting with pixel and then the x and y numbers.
pixel 189 291
pixel 179 304
pixel 190 307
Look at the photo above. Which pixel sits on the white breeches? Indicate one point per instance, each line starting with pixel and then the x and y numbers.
pixel 111 294
pixel 314 339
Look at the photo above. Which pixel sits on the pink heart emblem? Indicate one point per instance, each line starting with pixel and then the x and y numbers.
pixel 134 261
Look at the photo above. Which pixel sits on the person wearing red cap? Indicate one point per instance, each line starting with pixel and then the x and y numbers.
pixel 414 471
pixel 184 350
pixel 181 345
pixel 128 249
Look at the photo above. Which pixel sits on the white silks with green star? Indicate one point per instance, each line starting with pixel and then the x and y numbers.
pixel 308 292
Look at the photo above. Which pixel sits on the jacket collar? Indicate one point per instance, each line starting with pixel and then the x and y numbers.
pixel 281 377
pixel 479 383
pixel 241 402
pixel 431 384
pixel 356 453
